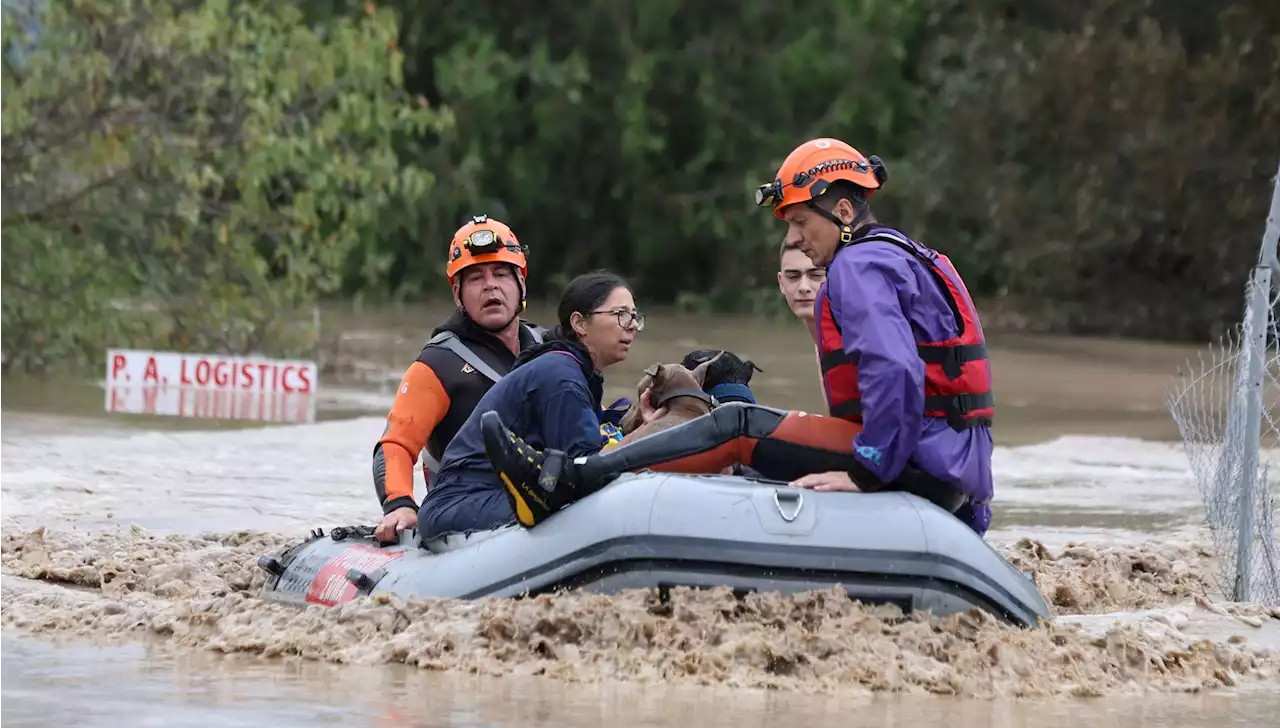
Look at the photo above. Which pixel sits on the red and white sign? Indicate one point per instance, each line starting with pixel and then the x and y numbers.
pixel 140 368
pixel 331 587
pixel 210 386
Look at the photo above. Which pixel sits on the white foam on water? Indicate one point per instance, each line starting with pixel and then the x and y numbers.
pixel 295 477
pixel 1190 621
pixel 287 478
pixel 1119 473
pixel 1078 488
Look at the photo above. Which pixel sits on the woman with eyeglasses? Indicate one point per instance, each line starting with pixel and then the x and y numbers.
pixel 552 397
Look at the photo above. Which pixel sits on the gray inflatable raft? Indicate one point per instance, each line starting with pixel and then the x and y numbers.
pixel 659 530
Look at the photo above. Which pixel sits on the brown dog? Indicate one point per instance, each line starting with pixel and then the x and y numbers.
pixel 674 387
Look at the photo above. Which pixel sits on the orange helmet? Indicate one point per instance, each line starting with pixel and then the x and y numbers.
pixel 811 168
pixel 485 241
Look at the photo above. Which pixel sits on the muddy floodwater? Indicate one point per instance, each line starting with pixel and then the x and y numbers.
pixel 128 594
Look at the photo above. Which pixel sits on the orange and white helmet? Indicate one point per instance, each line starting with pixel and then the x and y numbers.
pixel 812 167
pixel 483 240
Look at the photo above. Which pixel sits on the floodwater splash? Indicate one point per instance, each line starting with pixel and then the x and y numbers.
pixel 201 591
pixel 1127 618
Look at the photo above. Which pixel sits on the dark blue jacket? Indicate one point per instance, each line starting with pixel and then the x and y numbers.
pixel 551 398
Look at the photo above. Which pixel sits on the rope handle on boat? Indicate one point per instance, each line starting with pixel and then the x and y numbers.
pixel 342 533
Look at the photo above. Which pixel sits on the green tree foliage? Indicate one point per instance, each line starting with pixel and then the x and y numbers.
pixel 191 174
pixel 1103 166
pixel 1107 165
pixel 631 135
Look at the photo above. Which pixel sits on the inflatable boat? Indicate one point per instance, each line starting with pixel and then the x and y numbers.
pixel 662 530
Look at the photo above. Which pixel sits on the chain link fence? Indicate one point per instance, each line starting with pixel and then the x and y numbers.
pixel 1227 409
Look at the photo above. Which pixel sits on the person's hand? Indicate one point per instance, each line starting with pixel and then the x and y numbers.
pixel 834 480
pixel 394 522
pixel 647 412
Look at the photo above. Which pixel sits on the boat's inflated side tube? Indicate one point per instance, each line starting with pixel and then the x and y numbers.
pixel 657 530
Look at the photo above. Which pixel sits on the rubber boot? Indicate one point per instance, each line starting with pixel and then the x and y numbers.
pixel 533 490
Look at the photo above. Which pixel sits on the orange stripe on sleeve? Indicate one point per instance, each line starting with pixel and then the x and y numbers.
pixel 421 403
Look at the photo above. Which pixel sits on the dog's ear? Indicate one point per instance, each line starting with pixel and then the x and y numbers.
pixel 652 378
pixel 661 374
pixel 700 372
pixel 648 378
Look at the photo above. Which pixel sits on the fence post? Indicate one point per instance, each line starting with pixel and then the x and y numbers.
pixel 1257 322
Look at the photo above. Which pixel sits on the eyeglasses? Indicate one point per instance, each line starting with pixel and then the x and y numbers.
pixel 625 317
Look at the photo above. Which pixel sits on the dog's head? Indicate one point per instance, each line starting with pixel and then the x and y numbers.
pixel 665 379
pixel 725 367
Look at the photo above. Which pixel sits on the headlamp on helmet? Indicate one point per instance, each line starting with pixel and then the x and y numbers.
pixel 770 194
pixel 483 241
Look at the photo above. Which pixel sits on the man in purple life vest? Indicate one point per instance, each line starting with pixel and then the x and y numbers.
pixel 900 344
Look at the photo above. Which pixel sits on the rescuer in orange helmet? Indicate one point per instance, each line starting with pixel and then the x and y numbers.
pixel 487 266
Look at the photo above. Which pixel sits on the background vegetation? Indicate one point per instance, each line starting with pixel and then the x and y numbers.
pixel 214 166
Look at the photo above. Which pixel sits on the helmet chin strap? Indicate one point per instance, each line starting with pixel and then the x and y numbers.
pixel 846 229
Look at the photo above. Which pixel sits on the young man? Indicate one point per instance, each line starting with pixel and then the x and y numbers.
pixel 487 267
pixel 799 280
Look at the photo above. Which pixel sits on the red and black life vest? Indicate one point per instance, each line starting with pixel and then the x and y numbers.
pixel 957 371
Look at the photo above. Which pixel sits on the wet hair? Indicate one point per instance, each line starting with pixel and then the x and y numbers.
pixel 583 294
